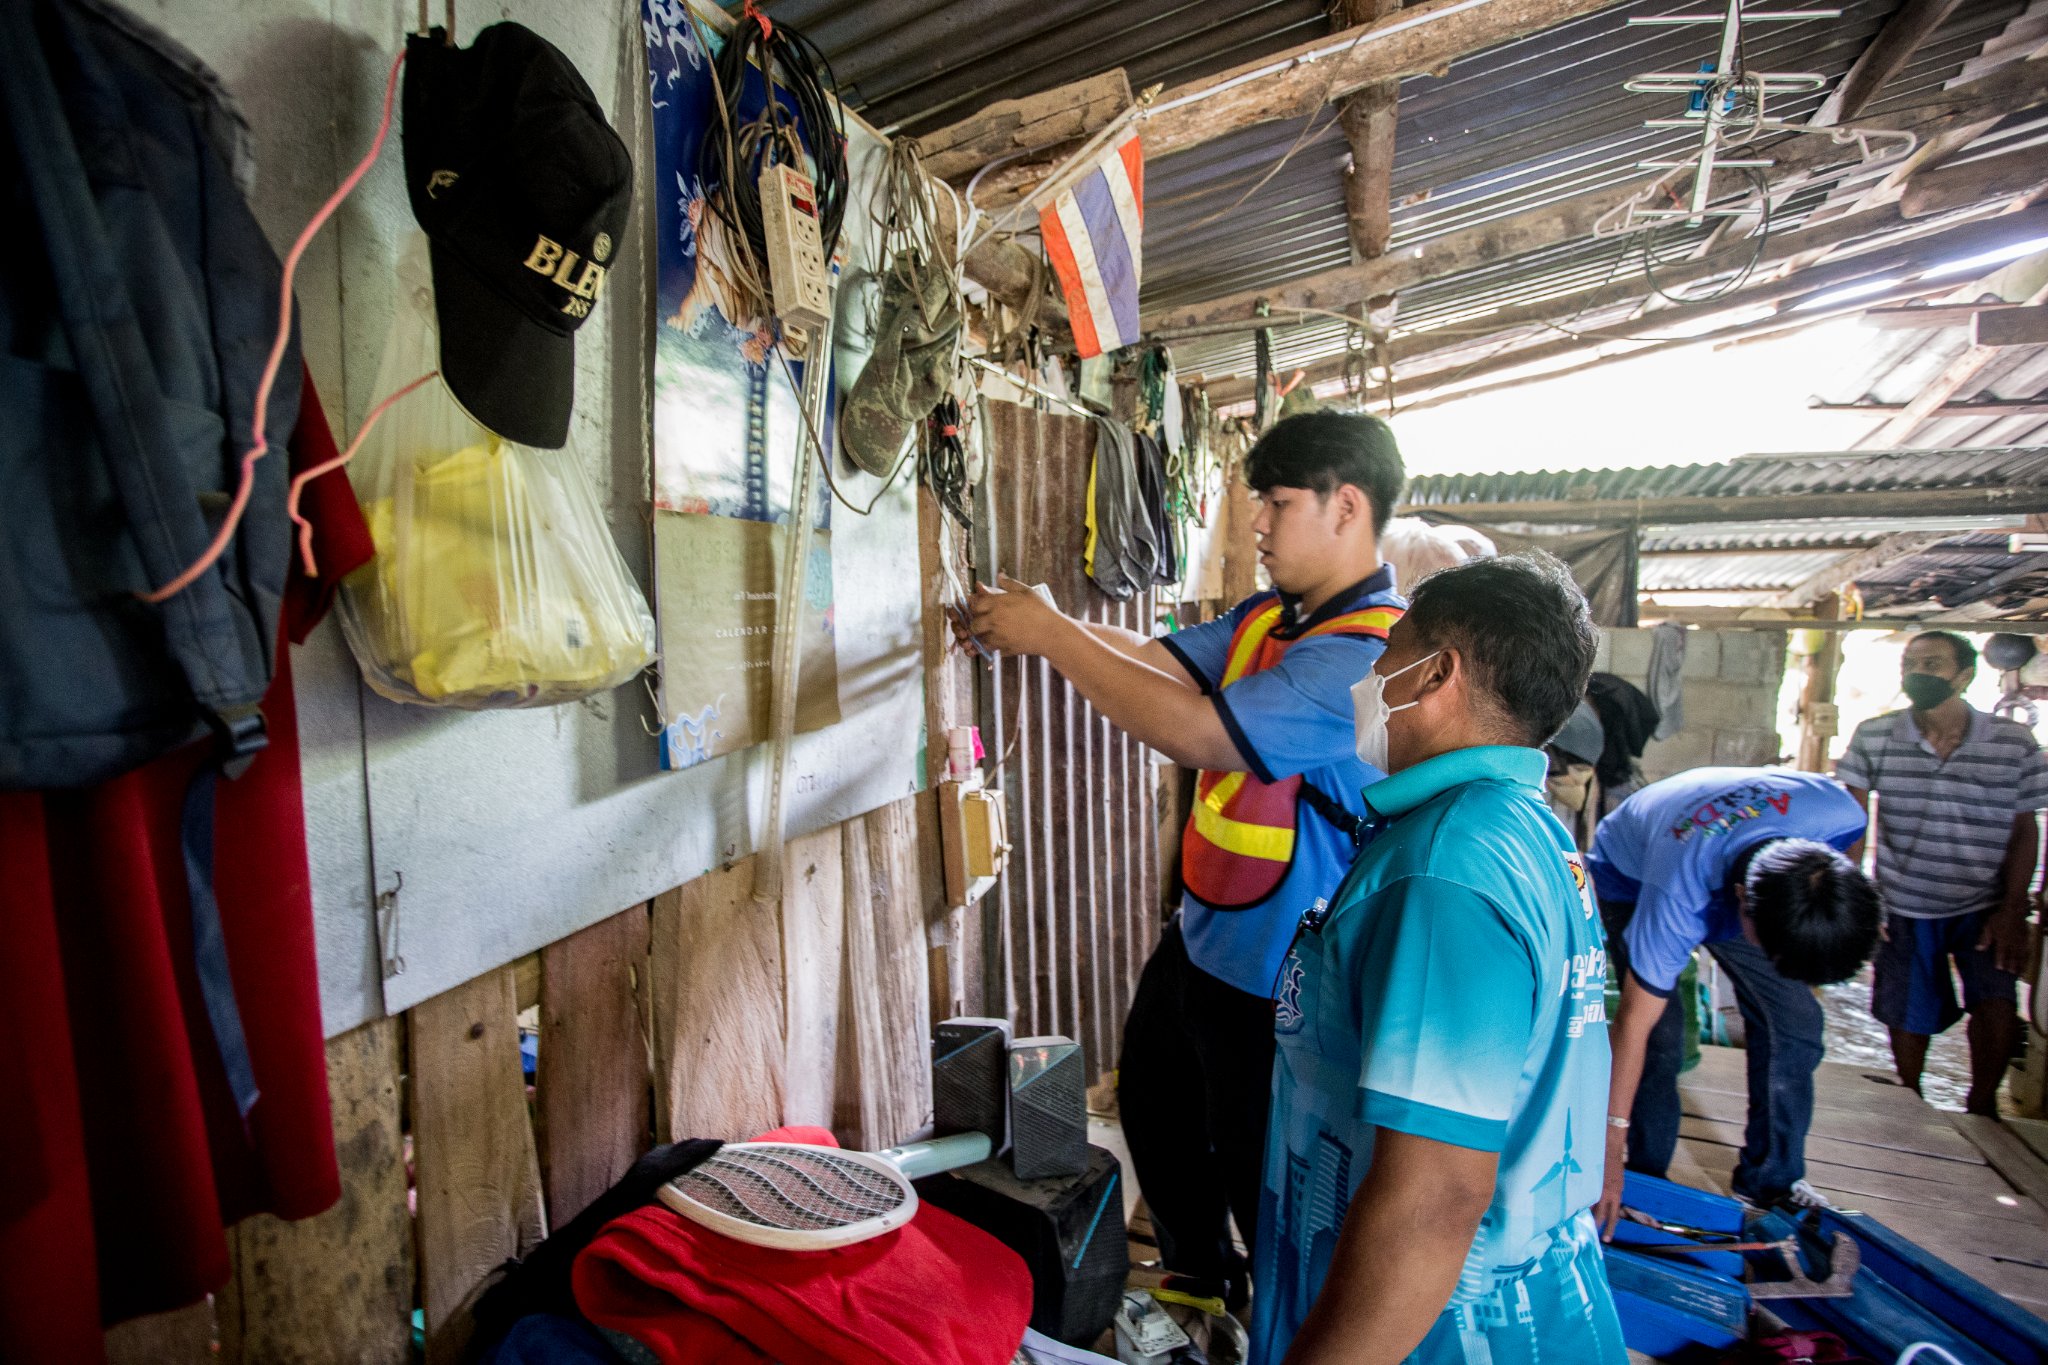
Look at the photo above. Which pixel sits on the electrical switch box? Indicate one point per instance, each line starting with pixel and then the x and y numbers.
pixel 797 276
pixel 974 835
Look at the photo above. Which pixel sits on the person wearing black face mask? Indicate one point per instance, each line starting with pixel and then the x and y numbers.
pixel 1957 835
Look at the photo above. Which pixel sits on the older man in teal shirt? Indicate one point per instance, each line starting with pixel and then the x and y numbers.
pixel 1440 1093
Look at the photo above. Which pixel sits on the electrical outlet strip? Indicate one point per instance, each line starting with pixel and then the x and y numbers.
pixel 796 250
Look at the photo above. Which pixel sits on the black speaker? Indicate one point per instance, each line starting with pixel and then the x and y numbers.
pixel 970 1087
pixel 1068 1229
pixel 1048 1108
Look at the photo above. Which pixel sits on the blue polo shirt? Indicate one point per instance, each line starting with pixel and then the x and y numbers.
pixel 1455 991
pixel 1669 847
pixel 1295 717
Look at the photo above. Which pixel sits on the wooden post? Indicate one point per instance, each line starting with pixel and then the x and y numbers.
pixel 1817 701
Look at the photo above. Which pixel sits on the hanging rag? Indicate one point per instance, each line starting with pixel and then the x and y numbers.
pixel 1666 678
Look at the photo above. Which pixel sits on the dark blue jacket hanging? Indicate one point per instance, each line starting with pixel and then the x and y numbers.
pixel 138 300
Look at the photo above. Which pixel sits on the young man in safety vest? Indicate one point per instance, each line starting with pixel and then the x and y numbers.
pixel 1259 700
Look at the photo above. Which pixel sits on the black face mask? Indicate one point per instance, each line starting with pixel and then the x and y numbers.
pixel 1925 690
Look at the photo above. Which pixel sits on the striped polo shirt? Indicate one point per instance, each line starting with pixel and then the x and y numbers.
pixel 1942 827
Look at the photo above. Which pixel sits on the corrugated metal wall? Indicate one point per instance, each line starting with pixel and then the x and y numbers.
pixel 1078 908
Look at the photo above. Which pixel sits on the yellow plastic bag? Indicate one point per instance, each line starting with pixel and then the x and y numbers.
pixel 496 582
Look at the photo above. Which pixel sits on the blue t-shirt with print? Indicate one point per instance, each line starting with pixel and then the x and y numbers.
pixel 1669 848
pixel 1455 991
pixel 1293 718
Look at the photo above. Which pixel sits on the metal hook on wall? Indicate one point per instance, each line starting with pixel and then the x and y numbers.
pixel 448 13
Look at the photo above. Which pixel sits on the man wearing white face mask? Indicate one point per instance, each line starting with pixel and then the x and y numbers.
pixel 1434 1141
pixel 1258 700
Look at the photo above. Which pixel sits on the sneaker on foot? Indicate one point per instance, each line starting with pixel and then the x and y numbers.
pixel 1803 1195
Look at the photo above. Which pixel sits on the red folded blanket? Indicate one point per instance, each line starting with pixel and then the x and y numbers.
pixel 936 1290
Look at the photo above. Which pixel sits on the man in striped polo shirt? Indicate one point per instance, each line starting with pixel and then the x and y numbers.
pixel 1957 836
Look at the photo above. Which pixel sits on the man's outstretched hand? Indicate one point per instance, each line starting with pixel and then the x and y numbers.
pixel 1011 618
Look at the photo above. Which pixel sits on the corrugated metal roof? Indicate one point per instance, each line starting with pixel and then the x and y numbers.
pixel 1904 362
pixel 1749 476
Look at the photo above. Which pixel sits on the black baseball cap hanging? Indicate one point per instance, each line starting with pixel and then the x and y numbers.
pixel 522 188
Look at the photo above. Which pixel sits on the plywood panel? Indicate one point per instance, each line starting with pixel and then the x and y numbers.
pixel 479 1179
pixel 885 1088
pixel 813 943
pixel 336 1289
pixel 592 1084
pixel 717 981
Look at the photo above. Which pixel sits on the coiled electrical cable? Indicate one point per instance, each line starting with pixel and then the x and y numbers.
pixel 733 153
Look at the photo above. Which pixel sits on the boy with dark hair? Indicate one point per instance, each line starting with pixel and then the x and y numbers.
pixel 1442 1070
pixel 1958 833
pixel 1259 700
pixel 1746 862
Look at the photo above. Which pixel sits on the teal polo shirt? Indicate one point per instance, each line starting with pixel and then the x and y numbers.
pixel 1454 989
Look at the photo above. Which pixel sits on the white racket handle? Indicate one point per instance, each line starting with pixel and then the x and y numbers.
pixel 919 1159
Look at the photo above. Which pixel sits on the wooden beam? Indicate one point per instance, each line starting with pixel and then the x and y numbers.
pixel 1368 117
pixel 1956 241
pixel 1887 55
pixel 592 1084
pixel 1931 314
pixel 1959 375
pixel 1832 578
pixel 1945 188
pixel 1423 39
pixel 1817 697
pixel 1980 407
pixel 1700 510
pixel 1065 113
pixel 2011 89
pixel 2012 327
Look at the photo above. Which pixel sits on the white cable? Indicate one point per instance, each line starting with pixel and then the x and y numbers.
pixel 1907 1356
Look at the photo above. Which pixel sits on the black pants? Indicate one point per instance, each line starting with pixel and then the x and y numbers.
pixel 1194 1084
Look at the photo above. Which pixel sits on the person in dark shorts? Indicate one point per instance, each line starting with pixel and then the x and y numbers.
pixel 1958 832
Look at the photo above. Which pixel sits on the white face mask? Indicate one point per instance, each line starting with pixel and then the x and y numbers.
pixel 1369 705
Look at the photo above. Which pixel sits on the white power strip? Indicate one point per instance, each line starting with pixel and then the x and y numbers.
pixel 796 250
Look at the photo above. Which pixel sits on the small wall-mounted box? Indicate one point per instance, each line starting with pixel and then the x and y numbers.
pixel 974 833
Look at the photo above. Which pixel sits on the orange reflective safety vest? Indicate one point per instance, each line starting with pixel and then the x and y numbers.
pixel 1239 840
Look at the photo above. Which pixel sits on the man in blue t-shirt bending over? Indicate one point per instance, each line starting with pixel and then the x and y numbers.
pixel 1260 701
pixel 1747 862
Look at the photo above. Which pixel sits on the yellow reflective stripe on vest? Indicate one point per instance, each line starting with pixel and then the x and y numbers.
pixel 1246 647
pixel 1273 843
pixel 1370 621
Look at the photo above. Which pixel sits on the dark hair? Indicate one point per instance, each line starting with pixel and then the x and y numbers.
pixel 1816 914
pixel 1965 653
pixel 1321 451
pixel 1524 630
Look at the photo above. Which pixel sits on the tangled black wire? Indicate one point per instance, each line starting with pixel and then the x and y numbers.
pixel 733 153
pixel 942 459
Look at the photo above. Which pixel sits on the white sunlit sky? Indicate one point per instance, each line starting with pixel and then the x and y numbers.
pixel 1695 405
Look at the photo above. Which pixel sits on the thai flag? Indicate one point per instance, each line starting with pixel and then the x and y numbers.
pixel 1093 230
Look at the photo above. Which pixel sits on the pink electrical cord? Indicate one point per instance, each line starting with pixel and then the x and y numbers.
pixel 291 502
pixel 284 330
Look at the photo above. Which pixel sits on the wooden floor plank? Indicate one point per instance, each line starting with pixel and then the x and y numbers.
pixel 1941 1170
pixel 2011 1156
pixel 591 1095
pixel 2033 1132
pixel 336 1289
pixel 1921 1130
pixel 1856 1184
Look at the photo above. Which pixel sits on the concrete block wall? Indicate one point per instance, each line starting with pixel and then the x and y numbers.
pixel 1731 682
